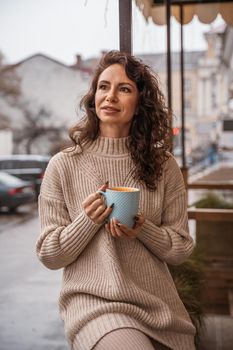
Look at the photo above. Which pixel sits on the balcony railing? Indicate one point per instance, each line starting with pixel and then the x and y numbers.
pixel 214 237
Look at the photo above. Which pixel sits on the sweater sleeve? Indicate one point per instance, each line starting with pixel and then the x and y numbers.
pixel 61 240
pixel 170 241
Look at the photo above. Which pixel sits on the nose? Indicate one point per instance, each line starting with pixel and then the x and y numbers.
pixel 111 95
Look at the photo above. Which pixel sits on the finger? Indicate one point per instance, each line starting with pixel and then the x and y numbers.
pixel 128 232
pixel 117 229
pixel 141 219
pixel 98 212
pixel 104 187
pixel 138 220
pixel 91 198
pixel 112 228
pixel 136 225
pixel 124 229
pixel 107 227
pixel 98 203
pixel 105 214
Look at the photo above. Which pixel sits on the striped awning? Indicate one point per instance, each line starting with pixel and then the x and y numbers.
pixel 206 10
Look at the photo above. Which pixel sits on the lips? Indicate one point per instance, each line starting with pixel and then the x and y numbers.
pixel 110 109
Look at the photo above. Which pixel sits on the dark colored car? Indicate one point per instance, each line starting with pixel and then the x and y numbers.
pixel 26 167
pixel 14 191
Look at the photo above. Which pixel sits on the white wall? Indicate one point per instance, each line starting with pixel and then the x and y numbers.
pixel 6 142
pixel 54 86
pixel 46 84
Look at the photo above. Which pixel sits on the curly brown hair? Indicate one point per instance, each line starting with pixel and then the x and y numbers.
pixel 149 133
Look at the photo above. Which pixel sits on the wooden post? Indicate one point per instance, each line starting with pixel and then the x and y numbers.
pixel 169 78
pixel 184 168
pixel 125 25
pixel 169 75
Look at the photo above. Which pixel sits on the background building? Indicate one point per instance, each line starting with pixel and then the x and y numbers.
pixel 50 92
pixel 47 105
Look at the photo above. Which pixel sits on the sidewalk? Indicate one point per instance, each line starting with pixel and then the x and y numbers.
pixel 29 293
pixel 219 172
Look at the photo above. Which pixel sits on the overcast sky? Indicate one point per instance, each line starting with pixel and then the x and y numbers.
pixel 64 28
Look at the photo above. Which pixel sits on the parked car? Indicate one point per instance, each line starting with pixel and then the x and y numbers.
pixel 14 191
pixel 26 167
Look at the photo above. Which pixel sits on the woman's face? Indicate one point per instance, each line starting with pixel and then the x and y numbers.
pixel 116 100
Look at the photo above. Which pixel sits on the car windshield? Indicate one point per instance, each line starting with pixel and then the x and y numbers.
pixel 6 179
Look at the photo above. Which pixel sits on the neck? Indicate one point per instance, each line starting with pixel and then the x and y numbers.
pixel 113 131
pixel 111 146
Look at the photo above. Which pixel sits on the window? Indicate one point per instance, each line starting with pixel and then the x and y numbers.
pixel 187 85
pixel 228 125
pixel 187 104
pixel 213 91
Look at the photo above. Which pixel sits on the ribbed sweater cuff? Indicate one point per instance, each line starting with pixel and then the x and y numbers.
pixel 155 238
pixel 81 230
pixel 65 243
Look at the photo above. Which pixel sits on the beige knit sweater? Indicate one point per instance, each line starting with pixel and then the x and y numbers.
pixel 111 283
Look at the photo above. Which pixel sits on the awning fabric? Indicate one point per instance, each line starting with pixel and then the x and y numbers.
pixel 206 12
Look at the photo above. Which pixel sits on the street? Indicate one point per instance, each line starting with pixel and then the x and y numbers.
pixel 29 292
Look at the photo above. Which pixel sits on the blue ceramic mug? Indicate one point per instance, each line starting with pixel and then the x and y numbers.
pixel 126 202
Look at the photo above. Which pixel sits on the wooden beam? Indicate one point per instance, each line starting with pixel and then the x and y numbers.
pixel 209 214
pixel 188 2
pixel 125 25
pixel 210 185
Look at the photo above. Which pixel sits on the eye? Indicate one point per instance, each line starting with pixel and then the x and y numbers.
pixel 102 86
pixel 125 89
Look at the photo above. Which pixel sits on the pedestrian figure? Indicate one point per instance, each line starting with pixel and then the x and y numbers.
pixel 212 153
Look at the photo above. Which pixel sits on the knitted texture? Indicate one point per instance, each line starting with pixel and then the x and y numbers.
pixel 110 283
pixel 125 338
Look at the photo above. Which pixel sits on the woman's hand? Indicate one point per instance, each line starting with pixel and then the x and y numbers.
pixel 119 230
pixel 95 207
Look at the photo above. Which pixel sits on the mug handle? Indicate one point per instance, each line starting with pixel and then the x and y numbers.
pixel 101 192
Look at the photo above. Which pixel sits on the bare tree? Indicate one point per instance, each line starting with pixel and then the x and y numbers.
pixel 9 81
pixel 32 125
pixel 37 124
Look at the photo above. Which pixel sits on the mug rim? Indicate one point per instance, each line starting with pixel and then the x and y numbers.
pixel 131 189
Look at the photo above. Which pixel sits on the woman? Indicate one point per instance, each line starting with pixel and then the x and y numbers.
pixel 117 292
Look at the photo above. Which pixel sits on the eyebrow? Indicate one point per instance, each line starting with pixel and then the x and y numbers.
pixel 120 84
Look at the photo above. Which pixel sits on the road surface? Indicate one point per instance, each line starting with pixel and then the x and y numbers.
pixel 29 318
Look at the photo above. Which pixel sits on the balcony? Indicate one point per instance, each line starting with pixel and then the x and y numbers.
pixel 212 229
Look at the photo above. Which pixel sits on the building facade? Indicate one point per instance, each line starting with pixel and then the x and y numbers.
pixel 48 104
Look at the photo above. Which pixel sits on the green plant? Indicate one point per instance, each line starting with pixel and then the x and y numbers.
pixel 213 201
pixel 215 241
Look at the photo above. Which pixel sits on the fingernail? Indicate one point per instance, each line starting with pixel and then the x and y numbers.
pixel 107 182
pixel 119 225
pixel 112 205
